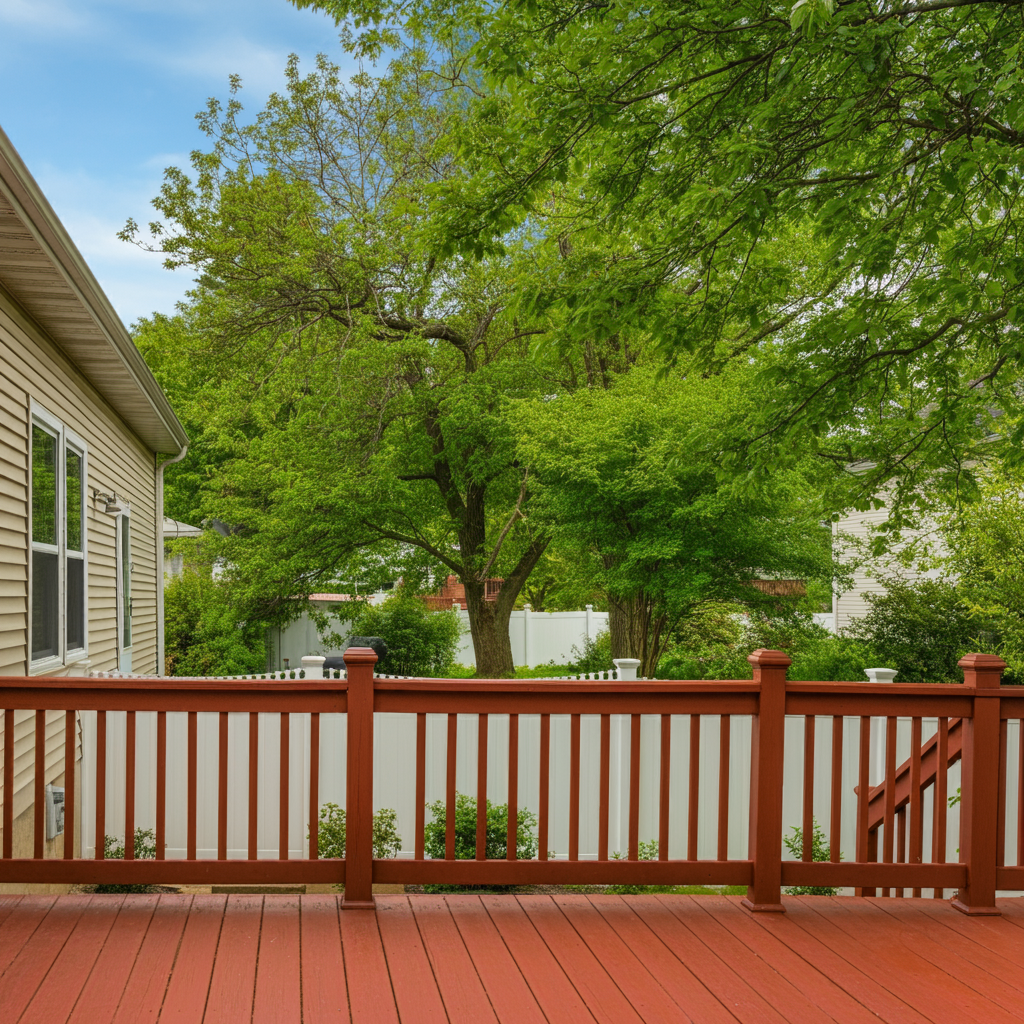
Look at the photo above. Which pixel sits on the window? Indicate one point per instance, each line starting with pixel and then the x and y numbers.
pixel 58 577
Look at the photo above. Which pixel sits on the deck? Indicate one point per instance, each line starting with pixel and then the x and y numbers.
pixel 514 960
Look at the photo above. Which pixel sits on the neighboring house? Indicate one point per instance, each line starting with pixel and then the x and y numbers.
pixel 83 425
pixel 174 560
pixel 850 537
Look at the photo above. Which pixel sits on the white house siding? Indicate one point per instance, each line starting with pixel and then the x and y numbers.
pixel 857 527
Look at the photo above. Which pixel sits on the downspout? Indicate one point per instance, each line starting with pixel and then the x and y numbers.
pixel 160 556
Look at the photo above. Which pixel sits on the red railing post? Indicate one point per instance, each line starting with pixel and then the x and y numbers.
pixel 359 781
pixel 979 786
pixel 766 764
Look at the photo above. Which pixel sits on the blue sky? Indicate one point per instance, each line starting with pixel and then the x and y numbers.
pixel 99 96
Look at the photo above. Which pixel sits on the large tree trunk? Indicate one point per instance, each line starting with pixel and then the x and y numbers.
pixel 488 625
pixel 636 632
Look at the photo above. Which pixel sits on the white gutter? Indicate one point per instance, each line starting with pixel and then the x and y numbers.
pixel 160 556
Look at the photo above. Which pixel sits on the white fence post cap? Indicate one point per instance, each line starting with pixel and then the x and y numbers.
pixel 627 667
pixel 313 665
pixel 880 675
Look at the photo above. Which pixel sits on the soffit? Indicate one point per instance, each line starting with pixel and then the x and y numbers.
pixel 43 271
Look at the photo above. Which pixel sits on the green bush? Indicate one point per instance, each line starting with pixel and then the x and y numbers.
pixel 205 636
pixel 922 629
pixel 435 833
pixel 331 831
pixel 420 642
pixel 596 655
pixel 819 852
pixel 144 848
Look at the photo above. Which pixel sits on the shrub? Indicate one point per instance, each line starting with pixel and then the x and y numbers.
pixel 205 635
pixel 596 655
pixel 435 832
pixel 331 832
pixel 420 642
pixel 922 629
pixel 819 852
pixel 144 848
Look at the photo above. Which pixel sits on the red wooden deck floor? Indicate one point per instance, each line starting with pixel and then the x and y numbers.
pixel 513 960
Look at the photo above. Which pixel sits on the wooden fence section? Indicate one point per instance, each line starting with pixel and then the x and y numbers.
pixel 972 717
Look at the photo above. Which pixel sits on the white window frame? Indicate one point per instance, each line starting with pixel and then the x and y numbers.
pixel 124 600
pixel 67 440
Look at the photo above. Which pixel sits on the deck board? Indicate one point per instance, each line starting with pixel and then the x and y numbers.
pixel 505 959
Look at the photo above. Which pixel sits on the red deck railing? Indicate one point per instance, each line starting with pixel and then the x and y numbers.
pixel 973 715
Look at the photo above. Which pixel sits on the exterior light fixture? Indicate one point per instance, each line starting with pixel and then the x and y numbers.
pixel 112 505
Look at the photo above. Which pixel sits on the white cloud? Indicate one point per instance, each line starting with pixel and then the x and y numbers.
pixel 54 16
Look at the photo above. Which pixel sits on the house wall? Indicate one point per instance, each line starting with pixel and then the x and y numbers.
pixel 33 368
pixel 848 535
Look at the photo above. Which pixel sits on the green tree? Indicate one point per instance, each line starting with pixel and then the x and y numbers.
pixel 353 381
pixel 630 475
pixel 832 188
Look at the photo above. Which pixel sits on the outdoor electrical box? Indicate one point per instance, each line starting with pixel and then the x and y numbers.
pixel 54 811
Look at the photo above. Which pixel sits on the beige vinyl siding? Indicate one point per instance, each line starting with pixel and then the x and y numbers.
pixel 24 753
pixel 32 367
pixel 858 527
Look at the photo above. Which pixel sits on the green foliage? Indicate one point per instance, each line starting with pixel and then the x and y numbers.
pixel 922 629
pixel 731 179
pixel 596 655
pixel 794 842
pixel 420 642
pixel 113 849
pixel 435 832
pixel 331 832
pixel 206 634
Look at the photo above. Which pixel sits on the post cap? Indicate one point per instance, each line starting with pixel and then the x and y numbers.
pixel 360 656
pixel 986 668
pixel 768 658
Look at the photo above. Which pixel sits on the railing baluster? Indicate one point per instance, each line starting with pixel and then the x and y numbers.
pixel 1001 796
pixel 663 786
pixel 890 794
pixel 314 785
pixel 222 786
pixel 282 820
pixel 901 842
pixel 544 795
pixel 481 787
pixel 941 797
pixel 916 840
pixel 421 781
pixel 634 787
pixel 694 794
pixel 254 775
pixel 101 785
pixel 129 786
pixel 8 782
pixel 69 785
pixel 604 782
pixel 808 816
pixel 193 745
pixel 863 799
pixel 161 784
pixel 449 808
pixel 836 821
pixel 723 786
pixel 574 787
pixel 1020 792
pixel 40 785
pixel 512 836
